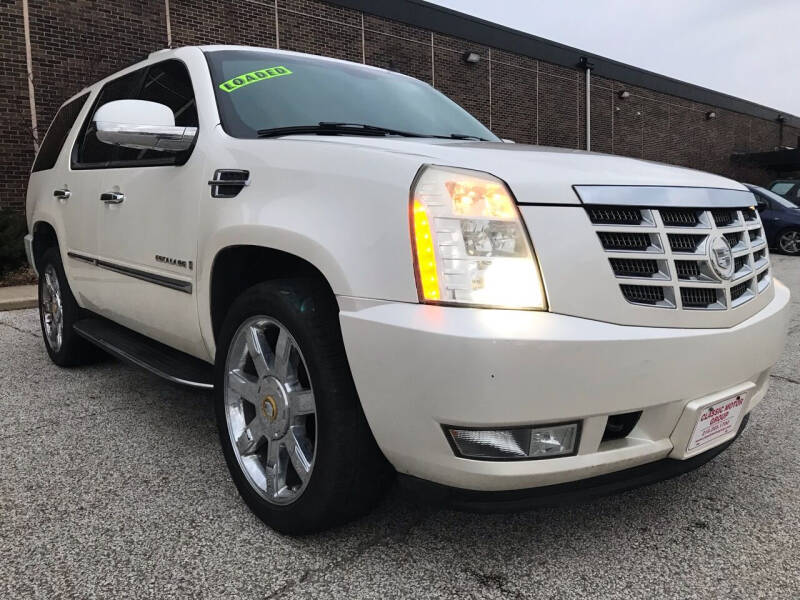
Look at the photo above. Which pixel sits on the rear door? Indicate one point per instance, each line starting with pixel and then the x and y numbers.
pixel 147 233
pixel 57 196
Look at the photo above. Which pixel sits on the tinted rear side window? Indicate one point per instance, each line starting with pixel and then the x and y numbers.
pixel 57 134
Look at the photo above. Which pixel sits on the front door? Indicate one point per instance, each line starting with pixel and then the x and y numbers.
pixel 147 226
pixel 145 217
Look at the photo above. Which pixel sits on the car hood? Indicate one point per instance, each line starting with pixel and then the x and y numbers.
pixel 536 174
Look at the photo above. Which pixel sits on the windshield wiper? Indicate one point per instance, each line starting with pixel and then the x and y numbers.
pixel 385 131
pixel 329 128
pixel 463 136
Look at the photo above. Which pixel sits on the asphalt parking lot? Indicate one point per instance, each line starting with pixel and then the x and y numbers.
pixel 112 485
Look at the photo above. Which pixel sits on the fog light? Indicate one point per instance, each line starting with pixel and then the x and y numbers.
pixel 518 443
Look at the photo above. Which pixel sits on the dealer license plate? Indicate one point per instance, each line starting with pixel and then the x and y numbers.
pixel 716 421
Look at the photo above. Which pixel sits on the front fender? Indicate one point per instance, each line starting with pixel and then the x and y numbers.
pixel 342 208
pixel 344 271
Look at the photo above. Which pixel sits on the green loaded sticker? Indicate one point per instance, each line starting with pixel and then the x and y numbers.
pixel 252 77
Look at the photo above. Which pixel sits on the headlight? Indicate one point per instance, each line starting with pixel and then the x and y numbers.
pixel 470 245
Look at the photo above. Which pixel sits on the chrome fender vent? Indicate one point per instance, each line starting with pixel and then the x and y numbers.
pixel 227 183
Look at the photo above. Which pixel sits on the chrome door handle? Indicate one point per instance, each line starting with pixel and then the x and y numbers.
pixel 62 194
pixel 112 197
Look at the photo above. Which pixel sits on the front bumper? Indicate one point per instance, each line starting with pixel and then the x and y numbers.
pixel 417 367
pixel 556 495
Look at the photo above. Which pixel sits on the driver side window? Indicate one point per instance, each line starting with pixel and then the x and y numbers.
pixel 167 83
pixel 89 152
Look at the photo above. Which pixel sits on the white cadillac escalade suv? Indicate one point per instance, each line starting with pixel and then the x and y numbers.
pixel 374 284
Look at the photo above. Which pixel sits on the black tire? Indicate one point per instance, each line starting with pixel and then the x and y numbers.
pixel 793 231
pixel 349 474
pixel 73 350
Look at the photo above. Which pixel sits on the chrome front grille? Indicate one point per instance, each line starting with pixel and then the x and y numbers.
pixel 702 297
pixel 615 214
pixel 624 241
pixel 634 267
pixel 739 290
pixel 644 294
pixel 685 242
pixel 681 217
pixel 740 262
pixel 661 255
pixel 723 217
pixel 688 269
pixel 735 240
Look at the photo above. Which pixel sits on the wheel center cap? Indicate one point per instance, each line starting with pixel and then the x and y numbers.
pixel 274 406
pixel 269 408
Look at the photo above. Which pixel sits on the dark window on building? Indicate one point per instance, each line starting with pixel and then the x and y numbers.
pixel 167 83
pixel 57 134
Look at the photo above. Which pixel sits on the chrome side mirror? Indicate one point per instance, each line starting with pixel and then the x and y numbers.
pixel 141 125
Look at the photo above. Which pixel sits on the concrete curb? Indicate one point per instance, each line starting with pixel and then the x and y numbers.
pixel 18 296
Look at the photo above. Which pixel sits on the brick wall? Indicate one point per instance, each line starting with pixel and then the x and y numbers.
pixel 16 140
pixel 76 42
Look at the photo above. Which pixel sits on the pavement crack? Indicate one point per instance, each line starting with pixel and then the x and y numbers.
pixel 789 379
pixel 15 328
pixel 494 581
pixel 289 585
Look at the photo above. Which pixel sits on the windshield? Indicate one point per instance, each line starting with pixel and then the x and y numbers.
pixel 776 198
pixel 258 90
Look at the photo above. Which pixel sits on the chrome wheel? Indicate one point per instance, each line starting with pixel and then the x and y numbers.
pixel 789 242
pixel 270 410
pixel 52 309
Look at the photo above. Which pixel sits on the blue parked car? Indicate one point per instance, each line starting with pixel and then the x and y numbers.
pixel 781 220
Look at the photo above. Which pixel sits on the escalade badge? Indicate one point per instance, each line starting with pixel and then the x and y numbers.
pixel 720 257
pixel 178 262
